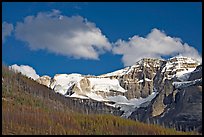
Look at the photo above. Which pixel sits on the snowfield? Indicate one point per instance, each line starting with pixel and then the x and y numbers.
pixel 105 85
pixel 129 106
pixel 62 82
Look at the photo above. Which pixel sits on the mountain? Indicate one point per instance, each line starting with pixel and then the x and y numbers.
pixel 151 91
pixel 30 108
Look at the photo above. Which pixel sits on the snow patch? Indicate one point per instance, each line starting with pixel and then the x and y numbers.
pixel 140 81
pixel 146 79
pixel 74 95
pixel 180 85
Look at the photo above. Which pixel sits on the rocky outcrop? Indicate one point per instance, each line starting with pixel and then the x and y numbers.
pixel 138 80
pixel 44 80
pixel 83 88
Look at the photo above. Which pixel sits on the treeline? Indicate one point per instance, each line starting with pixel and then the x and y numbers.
pixel 31 108
pixel 32 120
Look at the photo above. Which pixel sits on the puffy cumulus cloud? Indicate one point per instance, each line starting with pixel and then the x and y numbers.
pixel 155 45
pixel 25 70
pixel 73 36
pixel 6 30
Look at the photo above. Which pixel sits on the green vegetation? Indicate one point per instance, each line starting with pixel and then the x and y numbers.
pixel 30 108
pixel 31 120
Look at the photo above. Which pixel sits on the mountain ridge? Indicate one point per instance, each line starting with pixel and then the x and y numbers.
pixel 149 88
pixel 31 108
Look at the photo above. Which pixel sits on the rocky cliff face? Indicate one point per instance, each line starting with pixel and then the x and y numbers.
pixel 140 78
pixel 148 75
pixel 176 107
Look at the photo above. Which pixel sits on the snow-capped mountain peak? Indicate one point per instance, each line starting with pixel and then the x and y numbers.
pixel 180 67
pixel 146 62
pixel 118 82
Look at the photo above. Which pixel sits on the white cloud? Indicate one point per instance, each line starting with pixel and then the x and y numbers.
pixel 25 70
pixel 155 45
pixel 69 36
pixel 6 30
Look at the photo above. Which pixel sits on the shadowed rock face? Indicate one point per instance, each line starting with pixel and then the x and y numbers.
pixel 176 108
pixel 186 110
pixel 197 73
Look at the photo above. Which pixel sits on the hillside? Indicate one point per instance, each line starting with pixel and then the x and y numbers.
pixel 31 108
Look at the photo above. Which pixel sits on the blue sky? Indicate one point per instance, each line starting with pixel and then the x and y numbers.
pixel 109 35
